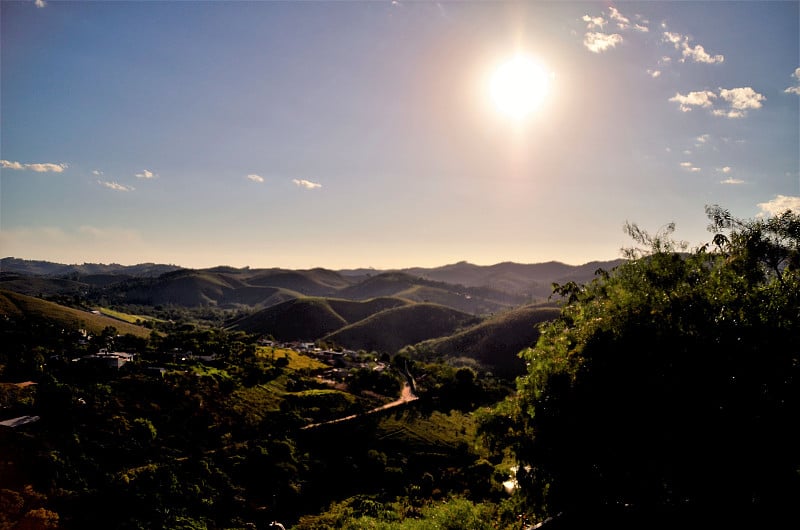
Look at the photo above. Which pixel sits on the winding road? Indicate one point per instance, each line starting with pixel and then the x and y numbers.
pixel 406 396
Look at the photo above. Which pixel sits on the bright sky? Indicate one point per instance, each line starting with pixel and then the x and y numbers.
pixel 369 134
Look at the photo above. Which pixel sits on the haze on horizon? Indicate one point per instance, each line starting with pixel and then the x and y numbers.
pixel 387 134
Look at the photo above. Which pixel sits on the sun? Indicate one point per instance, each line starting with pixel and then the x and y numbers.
pixel 518 87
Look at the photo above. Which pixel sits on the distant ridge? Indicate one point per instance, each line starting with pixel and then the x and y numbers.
pixel 48 268
pixel 473 289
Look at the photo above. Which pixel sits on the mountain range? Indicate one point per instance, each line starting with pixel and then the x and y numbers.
pixel 487 313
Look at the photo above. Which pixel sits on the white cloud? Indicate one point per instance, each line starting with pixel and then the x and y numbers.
pixel 116 186
pixel 796 88
pixel 45 167
pixel 146 174
pixel 665 60
pixel 5 164
pixel 97 172
pixel 689 167
pixel 674 38
pixel 739 101
pixel 726 169
pixel 307 184
pixel 686 164
pixel 594 22
pixel 696 53
pixel 702 98
pixel 703 138
pixel 40 3
pixel 597 42
pixel 256 178
pixel 653 73
pixel 743 98
pixel 732 181
pixel 779 204
pixel 623 22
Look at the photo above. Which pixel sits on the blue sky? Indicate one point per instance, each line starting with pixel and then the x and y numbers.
pixel 363 134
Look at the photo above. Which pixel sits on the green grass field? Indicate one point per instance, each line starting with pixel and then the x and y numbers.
pixel 297 361
pixel 126 317
pixel 427 433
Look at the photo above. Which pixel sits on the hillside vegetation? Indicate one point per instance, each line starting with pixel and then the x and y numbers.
pixel 301 318
pixel 18 306
pixel 494 342
pixel 388 331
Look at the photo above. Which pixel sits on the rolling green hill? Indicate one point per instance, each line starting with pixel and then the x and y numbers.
pixel 14 305
pixel 298 319
pixel 353 311
pixel 39 285
pixel 193 288
pixel 494 342
pixel 314 282
pixel 532 279
pixel 401 285
pixel 312 318
pixel 390 330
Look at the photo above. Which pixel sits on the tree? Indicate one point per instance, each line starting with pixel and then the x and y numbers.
pixel 669 387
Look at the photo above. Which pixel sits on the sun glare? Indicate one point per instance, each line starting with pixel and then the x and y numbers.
pixel 518 87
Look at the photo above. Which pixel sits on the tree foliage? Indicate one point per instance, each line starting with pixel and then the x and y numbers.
pixel 670 386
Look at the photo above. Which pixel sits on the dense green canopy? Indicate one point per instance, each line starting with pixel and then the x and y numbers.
pixel 669 388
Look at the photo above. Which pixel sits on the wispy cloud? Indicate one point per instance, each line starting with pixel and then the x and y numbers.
pixel 116 186
pixel 688 166
pixel 146 174
pixel 796 88
pixel 702 98
pixel 738 101
pixel 40 3
pixel 730 181
pixel 256 178
pixel 597 42
pixel 694 53
pixel 624 23
pixel 702 139
pixel 97 172
pixel 653 73
pixel 46 167
pixel 307 184
pixel 779 204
